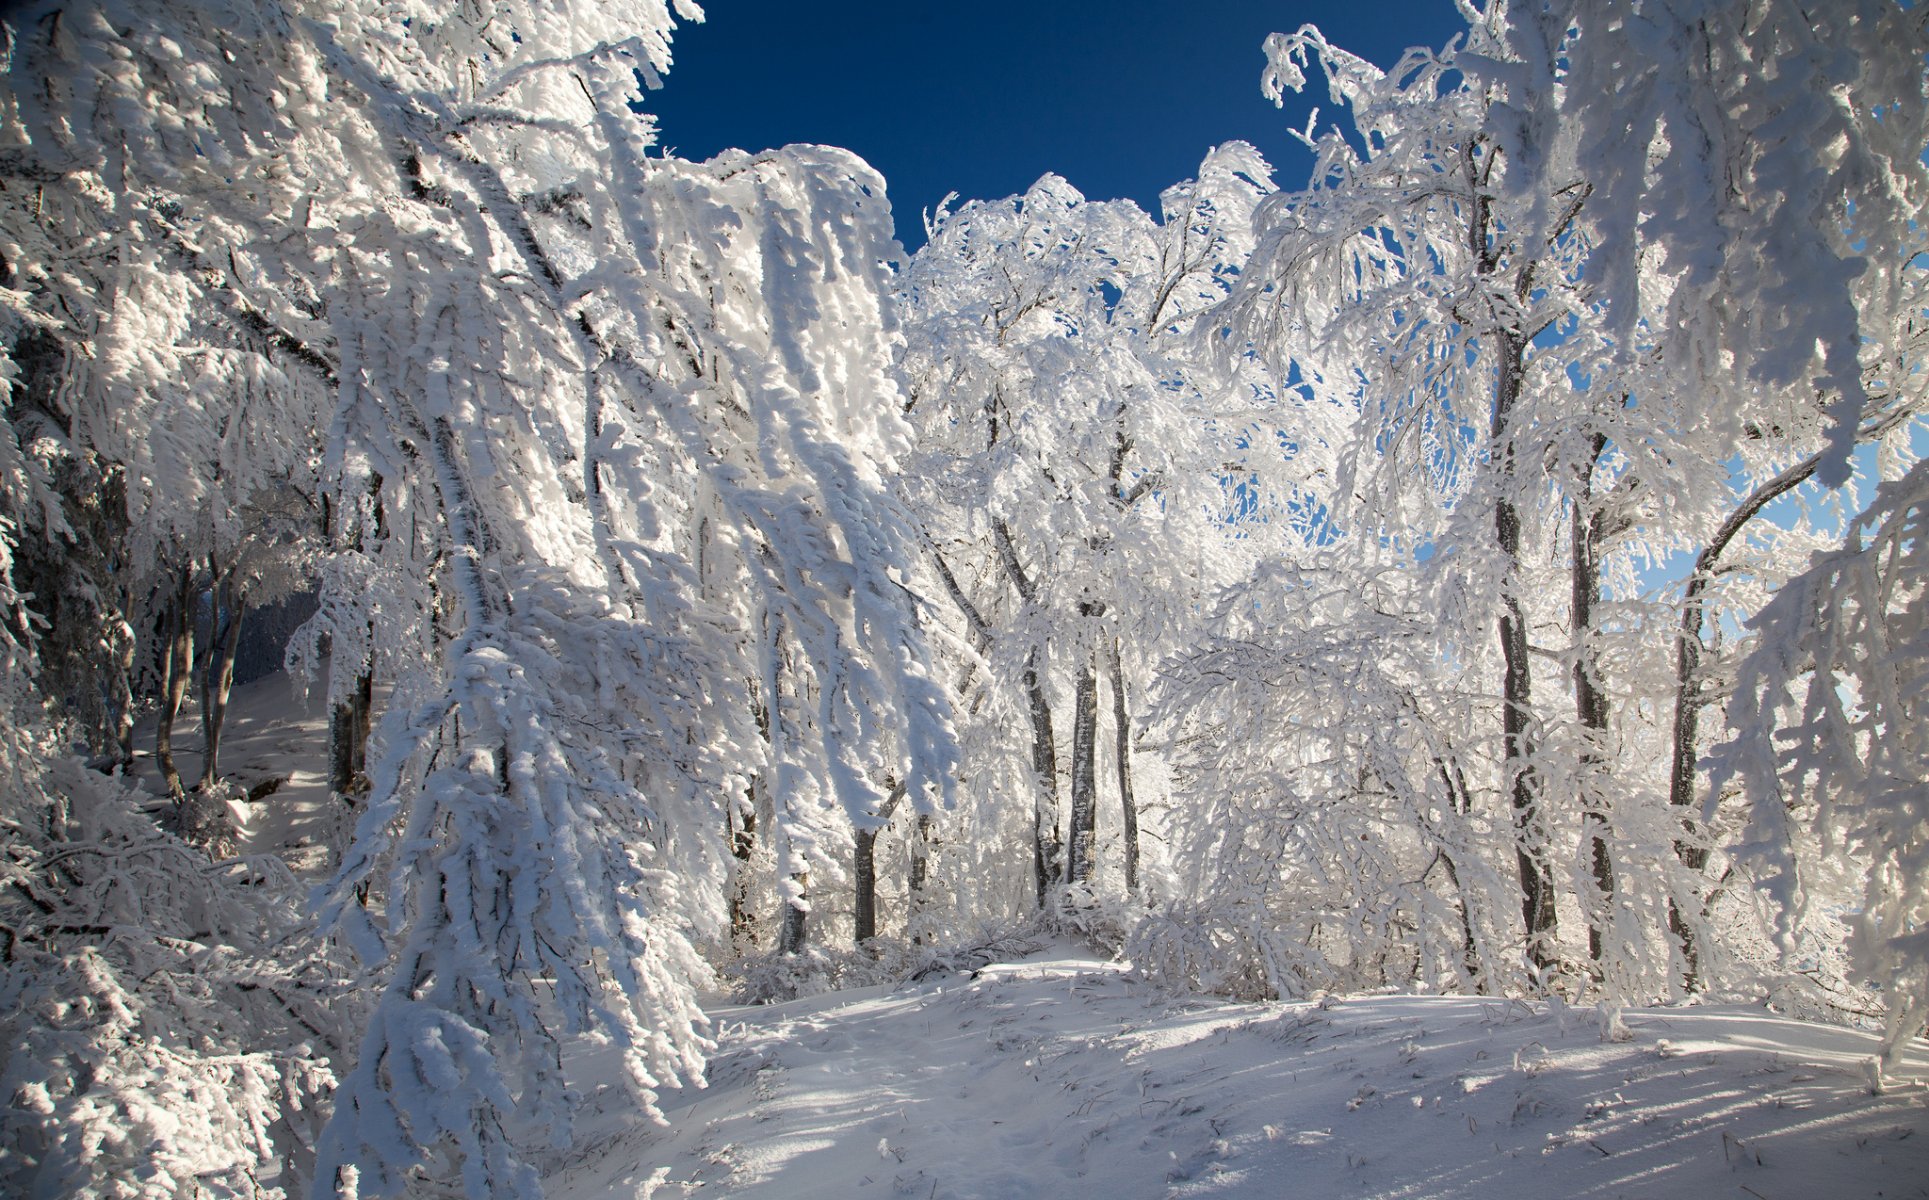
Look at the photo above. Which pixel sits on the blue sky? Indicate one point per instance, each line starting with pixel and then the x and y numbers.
pixel 1121 98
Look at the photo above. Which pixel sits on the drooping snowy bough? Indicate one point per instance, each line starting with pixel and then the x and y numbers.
pixel 1844 652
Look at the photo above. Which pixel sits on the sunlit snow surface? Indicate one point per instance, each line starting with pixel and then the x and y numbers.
pixel 1061 1076
pixel 276 732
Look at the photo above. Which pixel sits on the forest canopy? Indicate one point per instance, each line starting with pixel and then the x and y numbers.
pixel 1493 565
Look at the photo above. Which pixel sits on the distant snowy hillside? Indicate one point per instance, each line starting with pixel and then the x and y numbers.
pixel 1062 1076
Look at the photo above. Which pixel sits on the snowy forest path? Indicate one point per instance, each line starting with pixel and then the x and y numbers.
pixel 276 747
pixel 1062 1075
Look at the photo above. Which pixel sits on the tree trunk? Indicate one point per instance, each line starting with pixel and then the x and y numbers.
pixel 122 705
pixel 1517 694
pixel 225 611
pixel 1044 747
pixel 1123 500
pixel 740 831
pixel 920 872
pixel 1688 699
pixel 865 871
pixel 1122 747
pixel 1460 803
pixel 1044 765
pixel 349 718
pixel 177 665
pixel 348 725
pixel 1521 782
pixel 864 921
pixel 796 916
pixel 1591 705
pixel 1681 769
pixel 1082 822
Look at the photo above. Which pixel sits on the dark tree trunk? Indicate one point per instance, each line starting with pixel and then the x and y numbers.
pixel 1517 692
pixel 122 705
pixel 1122 734
pixel 1044 765
pixel 864 921
pixel 349 717
pixel 1521 782
pixel 1681 772
pixel 348 725
pixel 865 871
pixel 1044 746
pixel 1591 705
pixel 1461 803
pixel 1082 821
pixel 177 665
pixel 1123 499
pixel 1688 699
pixel 920 872
pixel 791 939
pixel 228 604
pixel 740 829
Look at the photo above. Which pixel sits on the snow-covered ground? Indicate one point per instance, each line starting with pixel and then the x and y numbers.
pixel 276 733
pixel 1061 1076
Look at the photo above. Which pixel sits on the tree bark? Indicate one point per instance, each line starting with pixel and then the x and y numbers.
pixel 796 927
pixel 1688 700
pixel 1082 823
pixel 740 830
pixel 1460 803
pixel 1517 692
pixel 177 665
pixel 865 872
pixel 348 726
pixel 1522 783
pixel 920 873
pixel 122 704
pixel 1044 746
pixel 1591 705
pixel 349 718
pixel 1122 734
pixel 1044 766
pixel 228 604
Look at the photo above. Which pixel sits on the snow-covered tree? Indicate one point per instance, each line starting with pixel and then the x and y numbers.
pixel 1755 177
pixel 1328 838
pixel 1072 460
pixel 1405 283
pixel 1544 383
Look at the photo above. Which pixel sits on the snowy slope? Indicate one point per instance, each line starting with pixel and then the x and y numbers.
pixel 1059 1075
pixel 1062 1076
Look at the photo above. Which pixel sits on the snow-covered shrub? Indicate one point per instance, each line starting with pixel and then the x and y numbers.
pixel 813 970
pixel 1102 919
pixel 777 976
pixel 101 1105
pixel 770 978
pixel 1333 833
pixel 991 944
pixel 163 1036
pixel 1226 950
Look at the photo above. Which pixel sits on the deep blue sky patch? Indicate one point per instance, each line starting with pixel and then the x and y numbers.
pixel 1122 98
